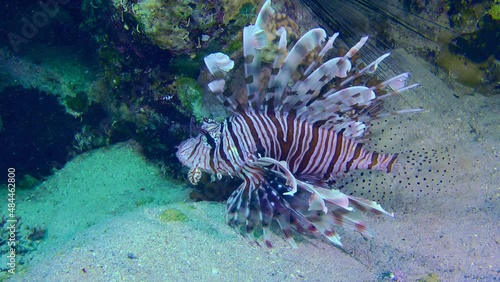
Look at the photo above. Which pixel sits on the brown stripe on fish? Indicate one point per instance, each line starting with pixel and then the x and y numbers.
pixel 357 153
pixel 374 160
pixel 336 155
pixel 313 147
pixel 391 162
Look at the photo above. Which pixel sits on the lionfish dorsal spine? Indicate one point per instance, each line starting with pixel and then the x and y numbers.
pixel 310 86
pixel 370 69
pixel 254 40
pixel 218 65
pixel 278 61
pixel 264 15
pixel 308 42
pixel 321 54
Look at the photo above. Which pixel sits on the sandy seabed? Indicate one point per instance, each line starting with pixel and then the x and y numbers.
pixel 103 215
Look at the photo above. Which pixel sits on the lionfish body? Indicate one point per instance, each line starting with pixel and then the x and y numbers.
pixel 290 140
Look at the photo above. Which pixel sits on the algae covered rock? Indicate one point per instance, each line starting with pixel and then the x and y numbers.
pixel 182 26
pixel 164 22
pixel 494 11
pixel 190 95
pixel 56 71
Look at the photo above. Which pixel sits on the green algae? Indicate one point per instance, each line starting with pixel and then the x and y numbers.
pixel 144 201
pixel 28 182
pixel 172 214
pixel 235 45
pixel 494 12
pixel 190 95
pixel 78 103
pixel 431 277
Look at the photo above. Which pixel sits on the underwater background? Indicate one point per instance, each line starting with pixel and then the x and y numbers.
pixel 96 95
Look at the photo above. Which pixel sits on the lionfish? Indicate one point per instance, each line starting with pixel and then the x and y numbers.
pixel 292 139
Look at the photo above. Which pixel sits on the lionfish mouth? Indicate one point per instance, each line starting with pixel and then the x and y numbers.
pixel 290 139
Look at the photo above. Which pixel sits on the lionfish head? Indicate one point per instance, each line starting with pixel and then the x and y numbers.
pixel 195 152
pixel 190 151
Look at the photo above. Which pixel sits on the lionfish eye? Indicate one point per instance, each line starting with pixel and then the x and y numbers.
pixel 209 139
pixel 208 120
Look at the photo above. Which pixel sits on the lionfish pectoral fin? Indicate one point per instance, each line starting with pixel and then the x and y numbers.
pixel 335 197
pixel 366 205
pixel 290 178
pixel 250 206
pixel 320 196
pixel 194 175
pixel 215 177
pixel 329 207
pixel 317 203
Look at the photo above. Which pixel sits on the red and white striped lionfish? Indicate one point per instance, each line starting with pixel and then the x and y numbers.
pixel 290 141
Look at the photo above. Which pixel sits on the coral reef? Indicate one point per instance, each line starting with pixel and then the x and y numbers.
pixel 164 22
pixel 277 21
pixel 242 12
pixel 136 77
pixel 57 72
pixel 180 26
pixel 470 56
pixel 462 69
pixel 481 41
